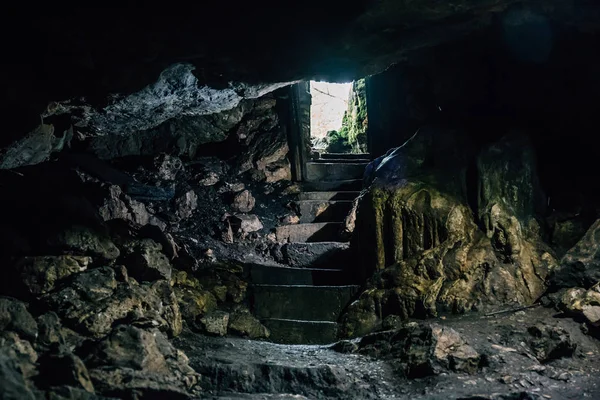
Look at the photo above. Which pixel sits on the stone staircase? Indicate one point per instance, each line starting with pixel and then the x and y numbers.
pixel 301 304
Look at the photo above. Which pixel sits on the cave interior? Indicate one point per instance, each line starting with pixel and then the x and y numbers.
pixel 177 222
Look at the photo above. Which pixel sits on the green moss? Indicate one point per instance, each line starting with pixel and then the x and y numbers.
pixel 352 137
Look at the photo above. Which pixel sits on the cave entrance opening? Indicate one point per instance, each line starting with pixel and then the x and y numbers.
pixel 338 118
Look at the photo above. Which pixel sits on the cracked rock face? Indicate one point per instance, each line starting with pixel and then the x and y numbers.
pixel 176 94
pixel 430 253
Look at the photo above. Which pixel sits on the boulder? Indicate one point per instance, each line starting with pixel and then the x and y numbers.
pixel 419 350
pixel 95 300
pixel 245 324
pixel 13 384
pixel 117 205
pixel 245 223
pixel 289 219
pixel 145 260
pixel 580 266
pixel 233 187
pixel 550 343
pixel 215 323
pixel 14 317
pixel 194 303
pixel 133 359
pixel 83 240
pixel 186 204
pixel 168 166
pixel 420 242
pixel 21 351
pixel 243 202
pixel 50 331
pixel 278 171
pixel 211 169
pixel 580 303
pixel 565 232
pixel 210 178
pixel 40 275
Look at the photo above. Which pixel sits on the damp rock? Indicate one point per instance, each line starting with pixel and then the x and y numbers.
pixel 580 267
pixel 550 343
pixel 15 317
pixel 215 323
pixel 83 240
pixel 245 324
pixel 133 359
pixel 92 302
pixel 186 204
pixel 168 166
pixel 245 223
pixel 243 202
pixel 117 205
pixel 40 275
pixel 419 350
pixel 146 261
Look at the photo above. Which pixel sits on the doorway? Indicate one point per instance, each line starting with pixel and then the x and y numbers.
pixel 338 118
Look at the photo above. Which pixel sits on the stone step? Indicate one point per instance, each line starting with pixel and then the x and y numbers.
pixel 273 275
pixel 328 195
pixel 341 160
pixel 289 331
pixel 327 186
pixel 313 232
pixel 323 210
pixel 347 156
pixel 316 255
pixel 316 171
pixel 299 302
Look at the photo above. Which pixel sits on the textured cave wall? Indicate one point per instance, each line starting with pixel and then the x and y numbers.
pixel 493 181
pixel 539 77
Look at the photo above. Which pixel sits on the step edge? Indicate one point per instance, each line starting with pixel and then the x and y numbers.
pixel 305 286
pixel 325 201
pixel 300 320
pixel 304 269
pixel 311 223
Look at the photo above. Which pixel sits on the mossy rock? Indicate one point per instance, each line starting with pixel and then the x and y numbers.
pixel 420 247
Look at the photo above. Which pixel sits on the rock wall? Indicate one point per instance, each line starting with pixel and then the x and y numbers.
pixel 113 244
pixel 429 249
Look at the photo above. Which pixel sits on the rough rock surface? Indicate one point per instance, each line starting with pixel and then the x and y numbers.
pixel 422 350
pixel 41 274
pixel 186 204
pixel 83 240
pixel 167 166
pixel 132 359
pixel 580 303
pixel 95 300
pixel 581 265
pixel 216 323
pixel 494 358
pixel 120 206
pixel 146 261
pixel 246 223
pixel 243 201
pixel 416 229
pixel 15 317
pixel 245 324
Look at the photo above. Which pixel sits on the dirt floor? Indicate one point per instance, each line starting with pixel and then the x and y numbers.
pixel 520 363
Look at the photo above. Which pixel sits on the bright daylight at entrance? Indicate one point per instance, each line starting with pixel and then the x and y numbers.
pixel 338 117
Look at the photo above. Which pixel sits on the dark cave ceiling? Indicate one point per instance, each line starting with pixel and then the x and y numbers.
pixel 225 52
